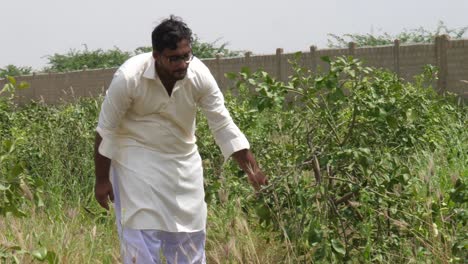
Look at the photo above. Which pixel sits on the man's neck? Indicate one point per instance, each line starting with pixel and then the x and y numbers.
pixel 169 85
pixel 167 82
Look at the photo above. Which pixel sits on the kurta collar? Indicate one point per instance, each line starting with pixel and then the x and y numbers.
pixel 150 71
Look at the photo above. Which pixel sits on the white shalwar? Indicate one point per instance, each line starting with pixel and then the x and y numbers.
pixel 153 246
pixel 150 138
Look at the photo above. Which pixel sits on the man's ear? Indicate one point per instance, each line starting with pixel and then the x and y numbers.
pixel 156 55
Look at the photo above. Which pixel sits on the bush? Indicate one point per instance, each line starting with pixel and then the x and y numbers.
pixel 352 167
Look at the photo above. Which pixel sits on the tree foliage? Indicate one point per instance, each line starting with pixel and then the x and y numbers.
pixel 417 35
pixel 202 49
pixel 12 70
pixel 211 49
pixel 91 59
pixel 96 59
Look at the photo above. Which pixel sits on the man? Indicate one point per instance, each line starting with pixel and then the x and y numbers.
pixel 146 158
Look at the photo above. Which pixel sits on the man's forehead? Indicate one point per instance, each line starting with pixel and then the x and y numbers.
pixel 183 46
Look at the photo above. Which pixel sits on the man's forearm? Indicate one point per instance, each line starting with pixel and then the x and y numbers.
pixel 248 164
pixel 103 187
pixel 246 161
pixel 101 163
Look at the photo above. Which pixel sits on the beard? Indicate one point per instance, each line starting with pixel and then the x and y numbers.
pixel 179 75
pixel 173 75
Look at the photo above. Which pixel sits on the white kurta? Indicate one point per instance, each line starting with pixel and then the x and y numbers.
pixel 150 137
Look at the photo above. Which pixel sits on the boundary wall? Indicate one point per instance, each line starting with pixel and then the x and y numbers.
pixel 450 56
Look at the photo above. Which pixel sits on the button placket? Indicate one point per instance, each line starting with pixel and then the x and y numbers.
pixel 164 106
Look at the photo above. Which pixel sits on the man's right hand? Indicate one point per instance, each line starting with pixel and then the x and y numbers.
pixel 104 193
pixel 103 187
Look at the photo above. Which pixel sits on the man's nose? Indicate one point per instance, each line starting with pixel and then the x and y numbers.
pixel 182 65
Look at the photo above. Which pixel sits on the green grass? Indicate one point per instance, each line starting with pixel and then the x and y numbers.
pixel 71 234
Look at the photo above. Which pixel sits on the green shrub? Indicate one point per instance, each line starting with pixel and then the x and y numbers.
pixel 348 164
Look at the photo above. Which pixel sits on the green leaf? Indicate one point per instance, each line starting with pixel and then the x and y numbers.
pixel 12 80
pixel 3 187
pixel 392 121
pixel 52 257
pixel 365 151
pixel 231 75
pixel 263 213
pixel 245 70
pixel 382 112
pixel 40 201
pixel 326 59
pixel 40 254
pixel 411 115
pixel 7 87
pixel 315 236
pixel 459 194
pixel 23 85
pixel 16 170
pixel 338 247
pixel 7 145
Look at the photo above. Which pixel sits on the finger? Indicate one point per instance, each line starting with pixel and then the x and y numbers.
pixel 254 182
pixel 256 185
pixel 102 200
pixel 262 180
pixel 104 203
pixel 111 195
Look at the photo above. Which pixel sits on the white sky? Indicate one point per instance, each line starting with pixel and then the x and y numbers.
pixel 31 29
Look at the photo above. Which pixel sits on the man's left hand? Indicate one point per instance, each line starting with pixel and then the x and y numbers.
pixel 248 164
pixel 257 179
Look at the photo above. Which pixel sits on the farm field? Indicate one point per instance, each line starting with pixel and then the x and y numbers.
pixel 363 167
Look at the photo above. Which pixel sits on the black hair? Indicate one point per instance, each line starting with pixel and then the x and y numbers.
pixel 170 32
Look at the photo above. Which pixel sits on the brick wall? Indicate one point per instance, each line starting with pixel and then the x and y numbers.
pixel 451 56
pixel 457 67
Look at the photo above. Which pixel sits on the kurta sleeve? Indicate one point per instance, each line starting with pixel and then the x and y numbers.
pixel 227 135
pixel 114 107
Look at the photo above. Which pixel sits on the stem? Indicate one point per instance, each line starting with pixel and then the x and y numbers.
pixel 351 126
pixel 341 223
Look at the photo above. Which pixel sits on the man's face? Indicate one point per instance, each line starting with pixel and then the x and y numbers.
pixel 172 65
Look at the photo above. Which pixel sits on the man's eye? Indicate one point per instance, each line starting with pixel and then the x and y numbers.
pixel 175 59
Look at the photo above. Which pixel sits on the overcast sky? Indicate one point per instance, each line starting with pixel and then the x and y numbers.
pixel 31 29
